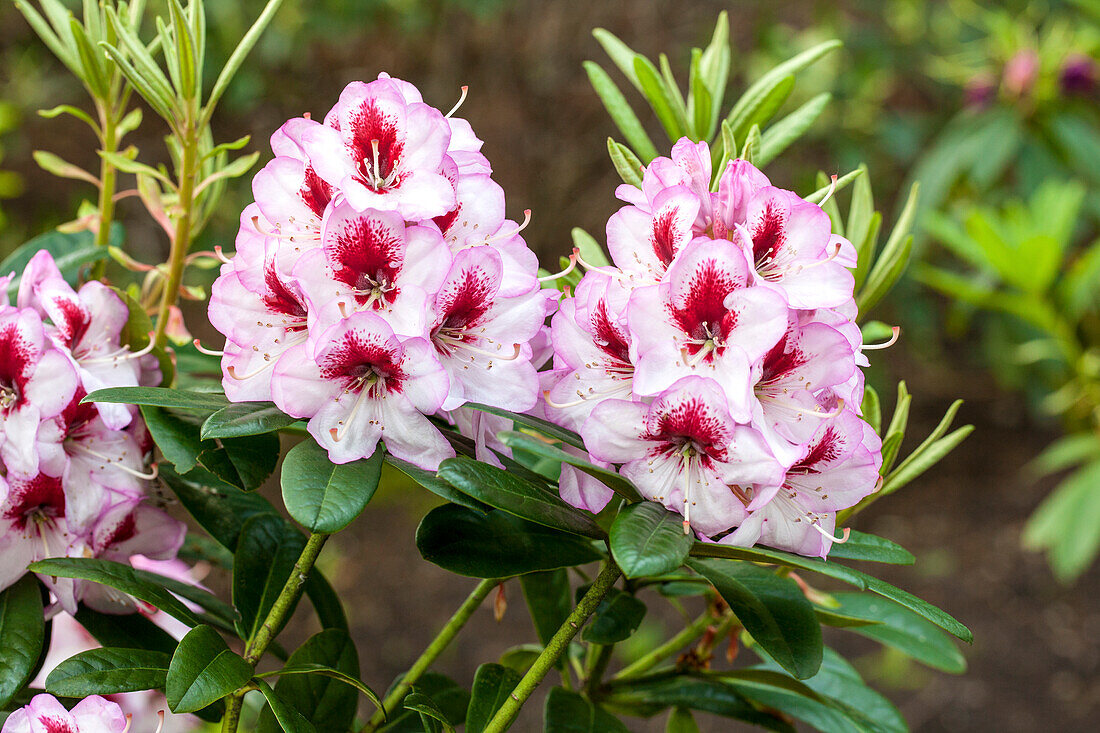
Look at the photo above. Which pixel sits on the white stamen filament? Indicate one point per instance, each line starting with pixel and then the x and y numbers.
pixel 232 371
pixel 221 255
pixel 129 722
pixel 845 533
pixel 504 234
pixel 893 340
pixel 116 463
pixel 688 455
pixel 583 397
pixel 462 99
pixel 203 350
pixel 338 434
pixel 160 725
pixel 572 266
pixel 122 354
pixel 312 230
pixel 830 192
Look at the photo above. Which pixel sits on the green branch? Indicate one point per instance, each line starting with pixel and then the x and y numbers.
pixel 554 648
pixel 445 636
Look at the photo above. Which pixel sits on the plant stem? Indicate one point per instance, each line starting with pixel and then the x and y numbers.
pixel 445 636
pixel 594 677
pixel 650 660
pixel 557 645
pixel 107 176
pixel 262 638
pixel 181 238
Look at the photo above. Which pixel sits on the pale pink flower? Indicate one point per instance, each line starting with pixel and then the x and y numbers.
pixel 686 451
pixel 360 385
pixel 382 152
pixel 44 714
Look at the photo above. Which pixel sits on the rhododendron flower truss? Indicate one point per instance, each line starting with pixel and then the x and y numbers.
pixel 686 451
pixel 362 384
pixel 44 714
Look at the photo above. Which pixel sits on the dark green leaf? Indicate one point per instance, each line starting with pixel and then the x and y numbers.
pixel 616 618
pixel 492 685
pixel 266 553
pixel 861 546
pixel 177 437
pixel 431 716
pixel 160 397
pixel 245 418
pixel 840 572
pixel 132 631
pixel 289 718
pixel 444 692
pixel 647 539
pixel 325 497
pixel 327 703
pixel 830 617
pixel 568 712
pixel 680 720
pixel 496 545
pixel 611 479
pixel 772 609
pixel 118 576
pixel 108 671
pixel 516 496
pixel 22 633
pixel 545 427
pixel 436 485
pixel 697 693
pixel 549 600
pixel 202 671
pixel 243 462
pixel 904 630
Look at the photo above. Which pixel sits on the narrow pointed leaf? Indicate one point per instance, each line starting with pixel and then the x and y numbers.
pixel 621 113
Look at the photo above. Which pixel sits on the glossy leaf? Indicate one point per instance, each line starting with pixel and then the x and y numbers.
pixel 22 635
pixel 329 704
pixel 266 553
pixel 202 671
pixel 772 609
pixel 697 693
pixel 132 631
pixel 245 418
pixel 647 539
pixel 160 397
pixel 862 546
pixel 445 694
pixel 497 544
pixel 614 481
pixel 616 618
pixel 493 684
pixel 505 491
pixel 848 575
pixel 545 427
pixel 568 712
pixel 325 497
pixel 904 630
pixel 436 485
pixel 118 576
pixel 108 671
pixel 549 599
pixel 289 718
pixel 431 716
pixel 176 436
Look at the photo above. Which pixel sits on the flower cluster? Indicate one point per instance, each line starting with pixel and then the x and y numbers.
pixel 73 474
pixel 718 361
pixel 376 280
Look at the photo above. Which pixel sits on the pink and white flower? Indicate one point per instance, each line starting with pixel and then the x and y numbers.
pixel 44 714
pixel 383 152
pixel 687 452
pixel 360 385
